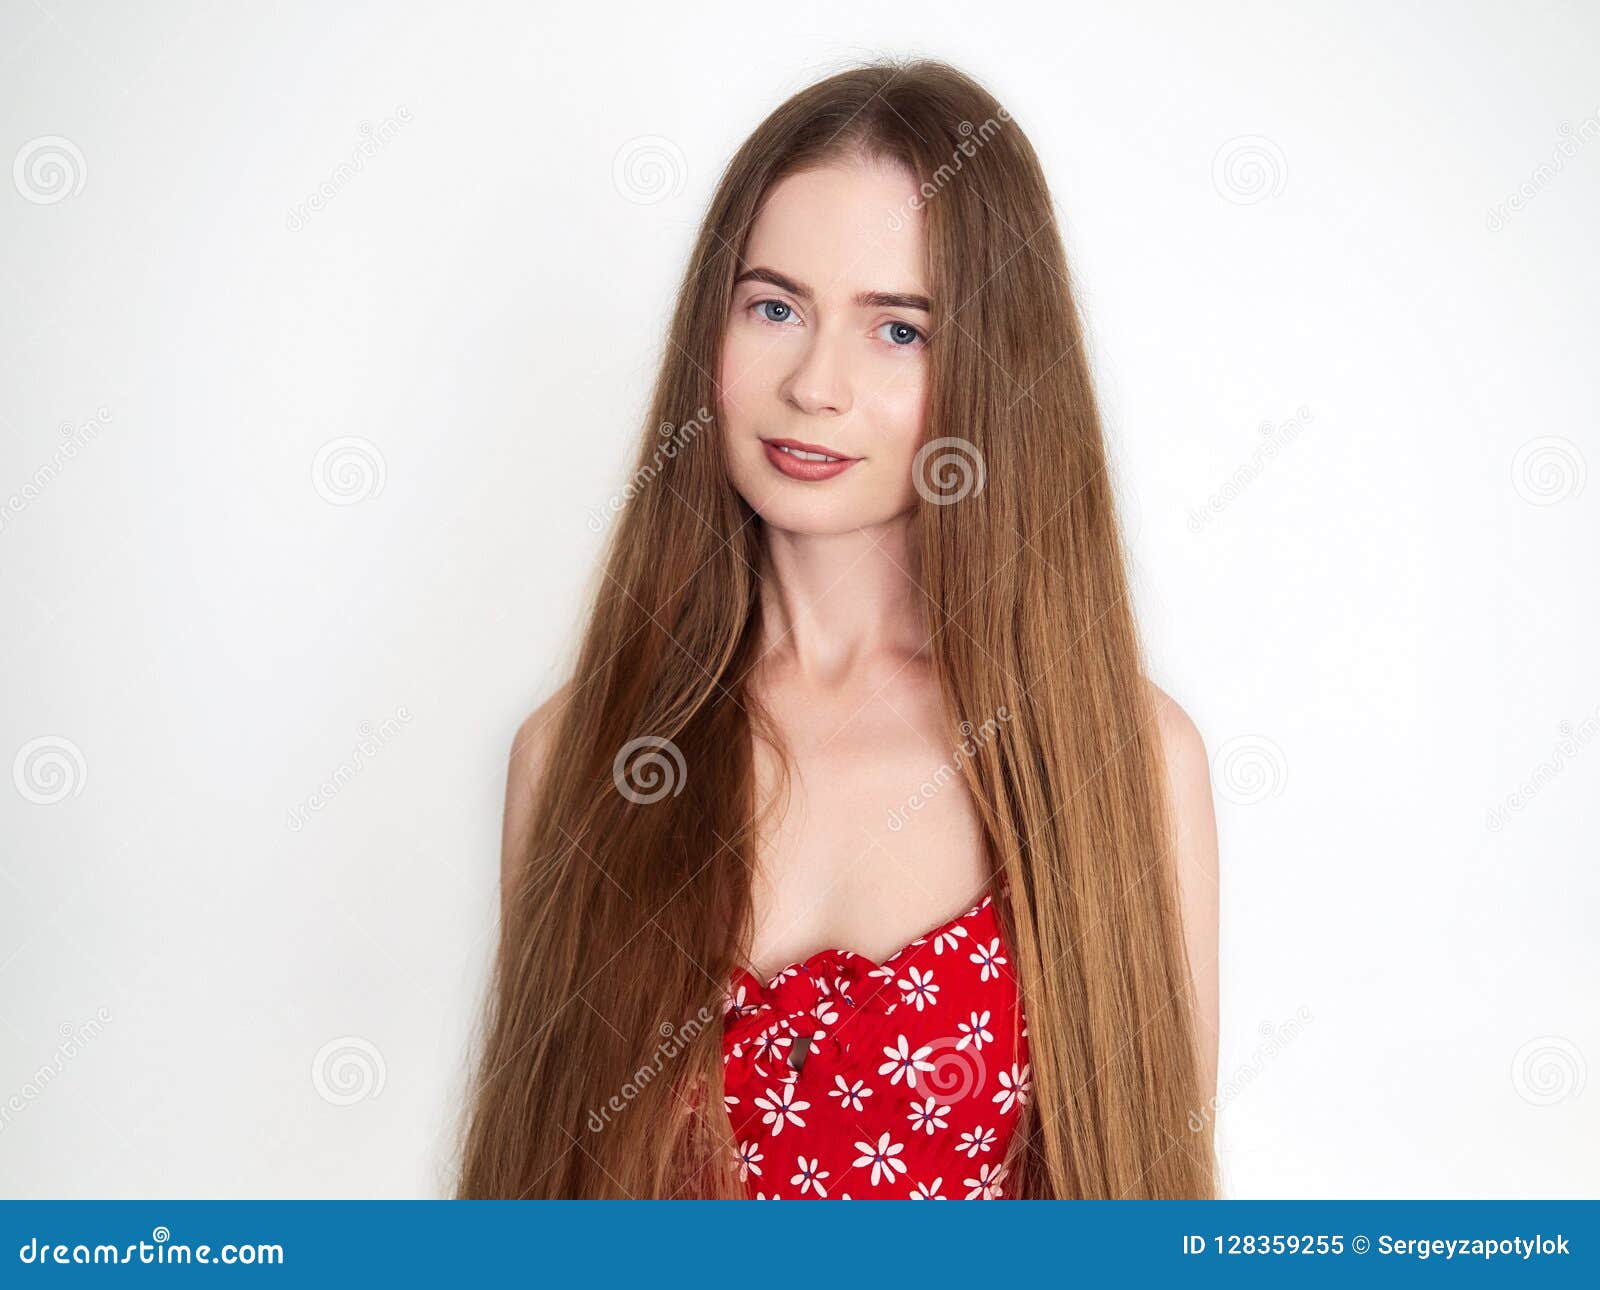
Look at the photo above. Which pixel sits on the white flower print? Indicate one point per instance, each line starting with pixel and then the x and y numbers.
pixel 749 1153
pixel 986 1186
pixel 769 1042
pixel 928 1191
pixel 881 1158
pixel 917 988
pixel 928 1116
pixel 809 1176
pixel 975 1033
pixel 784 974
pixel 980 1139
pixel 781 1108
pixel 988 960
pixel 902 1061
pixel 1014 1087
pixel 824 1012
pixel 730 1101
pixel 733 1003
pixel 951 936
pixel 884 973
pixel 849 1095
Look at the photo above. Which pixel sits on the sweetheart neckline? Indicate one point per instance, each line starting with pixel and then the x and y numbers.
pixel 971 911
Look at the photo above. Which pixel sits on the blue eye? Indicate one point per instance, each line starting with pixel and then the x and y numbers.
pixel 902 335
pixel 774 311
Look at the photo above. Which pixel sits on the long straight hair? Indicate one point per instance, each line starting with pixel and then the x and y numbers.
pixel 600 1071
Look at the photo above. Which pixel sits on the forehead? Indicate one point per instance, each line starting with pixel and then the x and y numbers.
pixel 843 228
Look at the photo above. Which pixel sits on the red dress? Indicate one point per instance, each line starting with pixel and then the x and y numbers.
pixel 911 1086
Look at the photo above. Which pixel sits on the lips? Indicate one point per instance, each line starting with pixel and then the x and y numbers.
pixel 810 462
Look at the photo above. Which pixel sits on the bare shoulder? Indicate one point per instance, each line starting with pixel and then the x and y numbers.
pixel 530 747
pixel 1188 781
pixel 1181 742
pixel 530 754
pixel 1194 834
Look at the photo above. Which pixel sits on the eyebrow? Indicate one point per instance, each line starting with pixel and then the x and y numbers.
pixel 865 299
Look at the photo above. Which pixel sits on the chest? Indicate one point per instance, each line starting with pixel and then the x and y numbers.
pixel 876 839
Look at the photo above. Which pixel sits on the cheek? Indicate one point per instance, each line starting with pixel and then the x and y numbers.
pixel 742 369
pixel 899 410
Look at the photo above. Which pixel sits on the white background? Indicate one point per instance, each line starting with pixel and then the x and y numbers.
pixel 1380 633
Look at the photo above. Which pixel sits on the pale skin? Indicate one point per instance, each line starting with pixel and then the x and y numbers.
pixel 823 345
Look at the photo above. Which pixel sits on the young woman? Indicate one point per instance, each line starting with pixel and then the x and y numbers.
pixel 859 858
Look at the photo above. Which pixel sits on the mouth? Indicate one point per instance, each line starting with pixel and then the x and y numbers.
pixel 806 461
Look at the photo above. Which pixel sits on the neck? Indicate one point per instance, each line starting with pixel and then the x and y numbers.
pixel 833 604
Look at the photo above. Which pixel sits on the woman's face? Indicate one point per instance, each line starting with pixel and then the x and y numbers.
pixel 826 352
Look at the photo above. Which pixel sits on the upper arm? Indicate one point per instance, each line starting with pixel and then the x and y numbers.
pixel 1194 829
pixel 530 753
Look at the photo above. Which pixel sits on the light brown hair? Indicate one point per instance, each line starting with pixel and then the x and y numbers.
pixel 631 909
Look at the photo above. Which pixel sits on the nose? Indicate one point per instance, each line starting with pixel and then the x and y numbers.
pixel 820 384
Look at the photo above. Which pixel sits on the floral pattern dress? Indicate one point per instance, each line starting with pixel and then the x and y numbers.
pixel 848 1079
